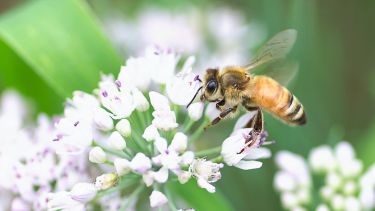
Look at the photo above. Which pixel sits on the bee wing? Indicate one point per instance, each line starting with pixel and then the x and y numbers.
pixel 275 48
pixel 283 71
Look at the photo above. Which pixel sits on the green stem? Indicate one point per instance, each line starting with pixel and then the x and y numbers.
pixel 218 159
pixel 189 125
pixel 171 202
pixel 132 197
pixel 207 152
pixel 199 131
pixel 119 154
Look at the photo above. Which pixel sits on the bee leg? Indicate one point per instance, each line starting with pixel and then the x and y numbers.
pixel 220 104
pixel 257 124
pixel 221 116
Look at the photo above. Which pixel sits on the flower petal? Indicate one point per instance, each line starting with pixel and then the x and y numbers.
pixel 204 184
pixel 247 165
pixel 161 144
pixel 158 101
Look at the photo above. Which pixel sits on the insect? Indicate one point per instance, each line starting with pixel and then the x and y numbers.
pixel 235 86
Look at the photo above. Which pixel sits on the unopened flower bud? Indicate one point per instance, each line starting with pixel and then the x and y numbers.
pixel 337 202
pixel 83 192
pixel 322 207
pixel 148 178
pixel 116 141
pixel 179 142
pixel 141 103
pixel 195 111
pixel 103 120
pixel 327 192
pixel 123 126
pixel 333 180
pixel 184 177
pixel 97 155
pixel 350 188
pixel 122 166
pixel 352 204
pixel 151 133
pixel 106 181
pixel 140 163
pixel 157 199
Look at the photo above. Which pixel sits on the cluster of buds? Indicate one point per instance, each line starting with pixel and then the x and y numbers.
pixel 344 186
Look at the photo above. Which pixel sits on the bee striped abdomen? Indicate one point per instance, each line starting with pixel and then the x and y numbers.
pixel 277 100
pixel 293 111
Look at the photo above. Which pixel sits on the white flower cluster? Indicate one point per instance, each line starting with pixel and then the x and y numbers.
pixel 344 188
pixel 186 31
pixel 142 140
pixel 30 169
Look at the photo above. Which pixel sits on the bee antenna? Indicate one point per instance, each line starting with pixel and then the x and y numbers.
pixel 191 101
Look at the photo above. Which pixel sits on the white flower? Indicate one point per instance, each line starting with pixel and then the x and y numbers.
pixel 140 163
pixel 337 202
pixel 322 207
pixel 135 73
pixel 333 180
pixel 122 166
pixel 163 64
pixel 123 126
pixel 148 178
pixel 352 204
pixel 321 159
pixel 195 111
pixel 233 145
pixel 327 192
pixel 97 155
pixel 169 157
pixel 164 118
pixel 103 119
pixel 367 189
pixel 63 201
pixel 184 85
pixel 116 141
pixel 295 165
pixel 140 101
pixel 116 99
pixel 184 177
pixel 206 172
pixel 83 192
pixel 157 199
pixel 19 205
pixel 284 181
pixel 106 181
pixel 289 200
pixel 150 133
pixel 179 142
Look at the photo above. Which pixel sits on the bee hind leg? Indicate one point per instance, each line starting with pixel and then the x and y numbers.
pixel 221 116
pixel 258 125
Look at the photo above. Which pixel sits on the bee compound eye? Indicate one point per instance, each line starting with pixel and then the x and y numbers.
pixel 211 86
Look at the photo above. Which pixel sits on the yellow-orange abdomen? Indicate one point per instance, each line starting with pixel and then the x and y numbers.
pixel 276 99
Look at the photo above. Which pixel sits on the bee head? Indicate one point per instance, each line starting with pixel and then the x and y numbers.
pixel 211 85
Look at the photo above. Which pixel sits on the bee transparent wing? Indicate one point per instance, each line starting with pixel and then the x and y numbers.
pixel 283 71
pixel 275 48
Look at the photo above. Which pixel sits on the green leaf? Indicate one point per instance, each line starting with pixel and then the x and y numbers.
pixel 56 44
pixel 366 146
pixel 198 198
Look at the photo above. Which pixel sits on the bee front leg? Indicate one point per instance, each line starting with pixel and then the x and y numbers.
pixel 220 104
pixel 221 116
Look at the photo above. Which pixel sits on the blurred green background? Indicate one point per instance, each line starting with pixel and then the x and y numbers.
pixel 50 48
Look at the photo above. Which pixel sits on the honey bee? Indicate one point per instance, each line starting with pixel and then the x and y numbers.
pixel 234 86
